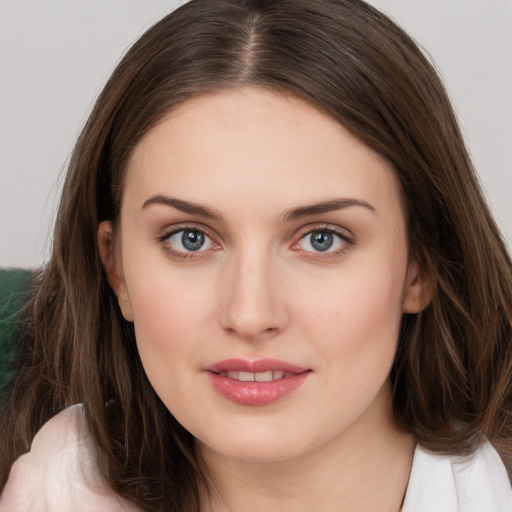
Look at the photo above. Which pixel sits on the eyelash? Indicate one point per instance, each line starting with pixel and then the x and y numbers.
pixel 164 241
pixel 347 241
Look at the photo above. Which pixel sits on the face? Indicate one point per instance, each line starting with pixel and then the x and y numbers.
pixel 262 256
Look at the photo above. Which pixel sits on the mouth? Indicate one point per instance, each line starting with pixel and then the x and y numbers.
pixel 256 383
pixel 256 377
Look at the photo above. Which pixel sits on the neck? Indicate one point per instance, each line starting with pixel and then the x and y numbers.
pixel 366 467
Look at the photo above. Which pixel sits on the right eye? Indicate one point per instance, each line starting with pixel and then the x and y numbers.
pixel 189 241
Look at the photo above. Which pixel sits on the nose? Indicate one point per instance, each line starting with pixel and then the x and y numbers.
pixel 253 300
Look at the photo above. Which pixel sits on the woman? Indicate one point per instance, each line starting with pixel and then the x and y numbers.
pixel 274 283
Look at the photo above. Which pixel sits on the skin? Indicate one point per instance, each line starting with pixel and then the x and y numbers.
pixel 258 288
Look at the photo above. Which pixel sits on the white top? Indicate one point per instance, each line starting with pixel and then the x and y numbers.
pixel 455 484
pixel 58 475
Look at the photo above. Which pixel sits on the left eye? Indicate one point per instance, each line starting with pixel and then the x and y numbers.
pixel 321 241
pixel 190 240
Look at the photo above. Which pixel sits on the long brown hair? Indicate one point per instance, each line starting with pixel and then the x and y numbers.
pixel 453 369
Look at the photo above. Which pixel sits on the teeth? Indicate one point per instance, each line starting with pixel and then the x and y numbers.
pixel 263 376
pixel 256 377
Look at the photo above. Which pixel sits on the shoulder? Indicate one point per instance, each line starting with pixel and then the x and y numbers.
pixel 477 483
pixel 59 473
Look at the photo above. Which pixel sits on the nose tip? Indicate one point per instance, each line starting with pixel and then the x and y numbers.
pixel 252 327
pixel 253 305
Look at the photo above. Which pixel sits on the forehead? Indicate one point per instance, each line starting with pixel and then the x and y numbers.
pixel 252 145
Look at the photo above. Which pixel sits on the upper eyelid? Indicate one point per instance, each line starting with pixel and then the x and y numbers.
pixel 172 230
pixel 310 228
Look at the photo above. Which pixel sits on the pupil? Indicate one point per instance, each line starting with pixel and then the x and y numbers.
pixel 192 240
pixel 321 240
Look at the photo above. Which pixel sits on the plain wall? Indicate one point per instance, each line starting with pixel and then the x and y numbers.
pixel 55 55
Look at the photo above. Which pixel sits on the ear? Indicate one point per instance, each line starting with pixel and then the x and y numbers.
pixel 419 289
pixel 112 268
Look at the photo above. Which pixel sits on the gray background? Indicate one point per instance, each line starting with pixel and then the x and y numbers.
pixel 55 55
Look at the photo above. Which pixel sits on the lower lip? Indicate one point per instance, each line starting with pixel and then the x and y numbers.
pixel 256 393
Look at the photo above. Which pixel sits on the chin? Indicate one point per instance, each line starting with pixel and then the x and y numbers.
pixel 267 444
pixel 255 453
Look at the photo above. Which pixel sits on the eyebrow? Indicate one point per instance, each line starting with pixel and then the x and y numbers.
pixel 183 206
pixel 325 207
pixel 291 215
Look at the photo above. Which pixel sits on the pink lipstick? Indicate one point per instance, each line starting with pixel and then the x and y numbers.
pixel 259 382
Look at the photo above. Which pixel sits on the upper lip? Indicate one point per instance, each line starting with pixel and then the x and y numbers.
pixel 260 365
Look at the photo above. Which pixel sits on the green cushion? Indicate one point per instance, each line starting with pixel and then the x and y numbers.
pixel 15 288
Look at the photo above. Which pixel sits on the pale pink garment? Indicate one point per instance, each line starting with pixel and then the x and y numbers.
pixel 59 473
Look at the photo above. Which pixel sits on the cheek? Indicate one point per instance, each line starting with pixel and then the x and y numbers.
pixel 356 318
pixel 168 308
pixel 169 316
